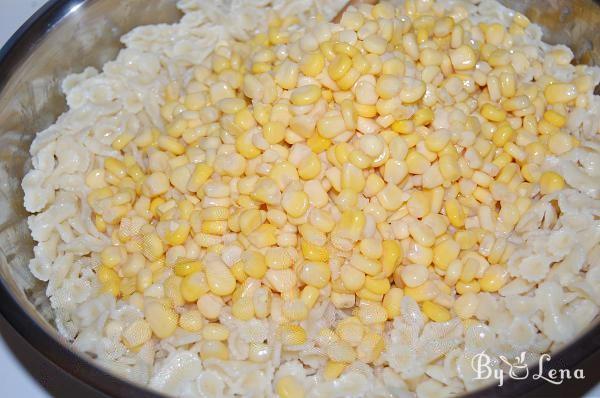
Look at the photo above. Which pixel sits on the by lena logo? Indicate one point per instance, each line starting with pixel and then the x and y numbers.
pixel 519 370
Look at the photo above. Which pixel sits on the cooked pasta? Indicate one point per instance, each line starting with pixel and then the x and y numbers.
pixel 256 202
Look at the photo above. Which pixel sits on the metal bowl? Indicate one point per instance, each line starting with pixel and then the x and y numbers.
pixel 65 36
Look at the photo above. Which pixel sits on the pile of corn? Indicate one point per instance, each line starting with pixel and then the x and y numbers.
pixel 388 156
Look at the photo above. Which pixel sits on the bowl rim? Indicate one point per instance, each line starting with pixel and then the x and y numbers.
pixel 82 367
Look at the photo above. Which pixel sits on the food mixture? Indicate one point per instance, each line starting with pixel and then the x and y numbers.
pixel 258 202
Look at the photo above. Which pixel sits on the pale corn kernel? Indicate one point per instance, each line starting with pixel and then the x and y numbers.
pixel 560 143
pixel 372 314
pixel 215 331
pixel 315 274
pixel 111 256
pixel 423 292
pixel 465 305
pixel 277 258
pixel 463 57
pixel 191 321
pixel 291 334
pixel 137 334
pixel 392 302
pixel 414 275
pixel 213 349
pixel 352 278
pixel 162 319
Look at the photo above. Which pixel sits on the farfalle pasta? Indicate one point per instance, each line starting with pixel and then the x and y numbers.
pixel 258 202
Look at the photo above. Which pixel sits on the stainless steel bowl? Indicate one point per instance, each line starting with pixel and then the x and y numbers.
pixel 65 36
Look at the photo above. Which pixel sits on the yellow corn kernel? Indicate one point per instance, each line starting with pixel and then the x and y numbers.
pixel 423 292
pixel 423 117
pixel 115 167
pixel 403 126
pixel 274 132
pixel 243 309
pixel 493 113
pixel 467 287
pixel 179 235
pixel 309 167
pixel 312 64
pixel 162 319
pixel 503 134
pixel 121 141
pixel 99 223
pixel 305 95
pixel 455 213
pixel 254 264
pixel 185 268
pixel 435 312
pixel 392 302
pixel 558 93
pixel 219 227
pixel 555 118
pixel 220 280
pixel 465 239
pixel 551 182
pixel 250 220
pixel 245 147
pixel 392 255
pixel 317 143
pixel 237 270
pixel 191 321
pixel 295 203
pixel 339 66
pixel 289 387
pixel 445 252
pixel 111 256
pixel 309 296
pixel 494 277
pixel 333 370
pixel 201 174
pixel 377 286
pixel 291 334
pixel 314 253
pixel 193 286
pixel 278 258
pixel 449 167
pixel 352 278
pixel 367 111
pixel 152 246
pixel 170 144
